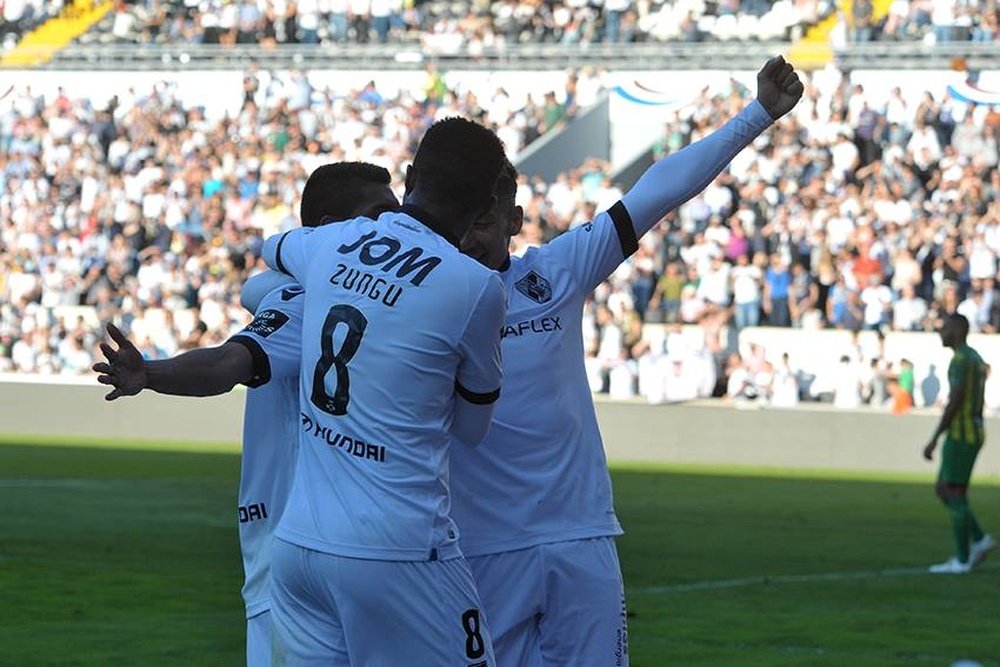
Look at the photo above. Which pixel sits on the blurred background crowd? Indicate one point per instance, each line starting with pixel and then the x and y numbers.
pixel 443 26
pixel 856 212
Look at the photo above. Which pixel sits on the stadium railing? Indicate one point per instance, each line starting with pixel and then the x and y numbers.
pixel 642 56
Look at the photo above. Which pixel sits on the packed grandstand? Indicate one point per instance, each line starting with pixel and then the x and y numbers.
pixel 444 26
pixel 866 210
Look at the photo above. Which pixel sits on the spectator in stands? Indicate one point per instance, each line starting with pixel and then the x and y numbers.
pixel 862 20
pixel 667 295
pixel 477 27
pixel 847 387
pixel 746 287
pixel 136 218
pixel 785 391
pixel 777 282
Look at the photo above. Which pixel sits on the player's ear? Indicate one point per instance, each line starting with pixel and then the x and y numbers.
pixel 411 179
pixel 516 221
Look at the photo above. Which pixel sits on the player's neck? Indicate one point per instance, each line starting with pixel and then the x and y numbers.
pixel 434 218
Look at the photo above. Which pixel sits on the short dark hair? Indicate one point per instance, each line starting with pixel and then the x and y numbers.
pixel 506 187
pixel 459 160
pixel 330 191
pixel 960 322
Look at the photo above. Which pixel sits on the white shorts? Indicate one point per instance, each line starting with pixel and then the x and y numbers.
pixel 259 640
pixel 555 605
pixel 332 611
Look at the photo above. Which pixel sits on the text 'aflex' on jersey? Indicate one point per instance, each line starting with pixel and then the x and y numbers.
pixel 387 254
pixel 538 325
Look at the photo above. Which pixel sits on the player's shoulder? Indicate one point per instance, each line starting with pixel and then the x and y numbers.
pixel 347 226
pixel 291 295
pixel 976 357
pixel 479 278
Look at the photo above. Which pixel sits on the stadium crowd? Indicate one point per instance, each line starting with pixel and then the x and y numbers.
pixel 19 17
pixel 448 27
pixel 851 214
pixel 473 26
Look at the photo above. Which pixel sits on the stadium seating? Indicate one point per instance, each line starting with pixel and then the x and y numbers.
pixel 126 213
pixel 452 26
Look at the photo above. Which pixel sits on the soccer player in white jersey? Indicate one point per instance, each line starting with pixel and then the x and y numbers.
pixel 264 356
pixel 533 502
pixel 400 356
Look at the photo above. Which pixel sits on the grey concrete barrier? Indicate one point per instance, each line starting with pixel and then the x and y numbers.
pixel 41 406
pixel 807 437
pixel 700 433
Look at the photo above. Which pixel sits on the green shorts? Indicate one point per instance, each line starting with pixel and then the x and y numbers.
pixel 957 459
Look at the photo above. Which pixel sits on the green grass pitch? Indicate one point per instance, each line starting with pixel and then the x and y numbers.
pixel 126 554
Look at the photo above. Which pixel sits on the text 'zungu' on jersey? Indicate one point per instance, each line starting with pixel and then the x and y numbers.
pixel 540 475
pixel 397 323
pixel 270 434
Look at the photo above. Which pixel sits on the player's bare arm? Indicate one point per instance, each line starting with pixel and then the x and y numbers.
pixel 203 372
pixel 955 398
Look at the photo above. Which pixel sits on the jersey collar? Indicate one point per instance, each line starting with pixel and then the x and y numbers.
pixel 422 216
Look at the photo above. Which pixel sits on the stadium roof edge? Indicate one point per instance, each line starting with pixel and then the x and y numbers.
pixel 643 56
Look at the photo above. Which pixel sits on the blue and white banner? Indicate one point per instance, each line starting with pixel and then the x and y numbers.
pixel 972 93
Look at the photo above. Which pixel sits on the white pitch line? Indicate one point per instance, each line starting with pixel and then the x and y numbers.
pixel 720 584
pixel 62 482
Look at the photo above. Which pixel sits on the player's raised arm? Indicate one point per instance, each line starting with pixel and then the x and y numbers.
pixel 477 386
pixel 595 250
pixel 203 372
pixel 680 176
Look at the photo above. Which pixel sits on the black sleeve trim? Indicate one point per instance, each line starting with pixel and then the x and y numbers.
pixel 277 254
pixel 477 399
pixel 624 227
pixel 261 364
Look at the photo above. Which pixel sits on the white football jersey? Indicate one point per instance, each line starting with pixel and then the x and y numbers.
pixel 270 434
pixel 540 475
pixel 397 323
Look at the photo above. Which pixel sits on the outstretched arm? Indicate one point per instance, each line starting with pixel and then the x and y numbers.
pixel 680 176
pixel 203 372
pixel 267 348
pixel 593 251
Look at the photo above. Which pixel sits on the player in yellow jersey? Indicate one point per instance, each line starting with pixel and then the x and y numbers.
pixel 962 425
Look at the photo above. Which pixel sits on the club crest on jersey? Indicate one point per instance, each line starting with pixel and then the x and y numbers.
pixel 535 287
pixel 267 322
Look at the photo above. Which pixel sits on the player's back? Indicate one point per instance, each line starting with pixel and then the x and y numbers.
pixel 968 369
pixel 540 475
pixel 388 308
pixel 270 428
pixel 270 444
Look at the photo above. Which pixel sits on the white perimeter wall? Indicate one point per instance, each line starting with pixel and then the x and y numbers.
pixel 706 432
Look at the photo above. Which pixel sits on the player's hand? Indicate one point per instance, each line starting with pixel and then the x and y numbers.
pixel 125 370
pixel 778 87
pixel 929 450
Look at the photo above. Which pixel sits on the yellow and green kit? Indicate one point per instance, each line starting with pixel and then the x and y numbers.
pixel 965 434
